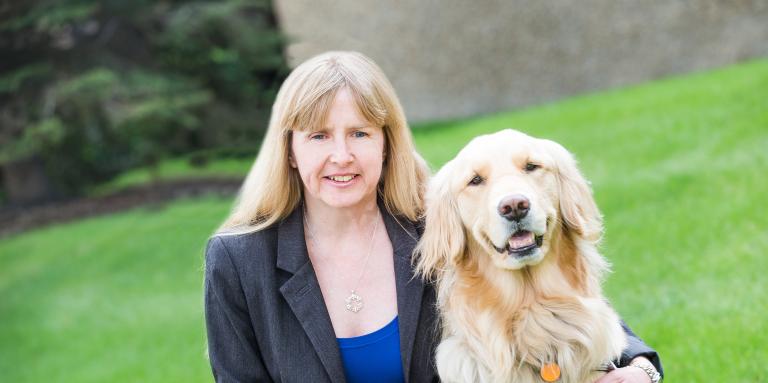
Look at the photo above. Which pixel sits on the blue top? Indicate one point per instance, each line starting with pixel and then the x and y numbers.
pixel 373 357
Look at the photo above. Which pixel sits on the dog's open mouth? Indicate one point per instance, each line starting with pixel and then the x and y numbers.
pixel 522 243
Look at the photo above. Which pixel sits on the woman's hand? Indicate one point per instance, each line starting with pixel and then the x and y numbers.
pixel 627 374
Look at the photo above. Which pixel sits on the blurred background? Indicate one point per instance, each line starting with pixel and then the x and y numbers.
pixel 126 128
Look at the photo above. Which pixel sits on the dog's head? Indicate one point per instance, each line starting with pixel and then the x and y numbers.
pixel 509 194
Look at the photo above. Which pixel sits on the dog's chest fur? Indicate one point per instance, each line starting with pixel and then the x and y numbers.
pixel 509 341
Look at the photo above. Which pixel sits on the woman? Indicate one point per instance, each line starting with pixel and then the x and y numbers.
pixel 309 279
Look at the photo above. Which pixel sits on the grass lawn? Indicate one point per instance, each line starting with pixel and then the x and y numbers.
pixel 678 166
pixel 173 169
pixel 111 299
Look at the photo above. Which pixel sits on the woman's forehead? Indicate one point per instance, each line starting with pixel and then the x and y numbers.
pixel 331 119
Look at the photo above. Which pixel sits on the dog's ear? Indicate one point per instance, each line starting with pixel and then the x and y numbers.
pixel 443 239
pixel 577 205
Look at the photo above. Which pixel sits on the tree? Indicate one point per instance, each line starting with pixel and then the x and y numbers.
pixel 90 88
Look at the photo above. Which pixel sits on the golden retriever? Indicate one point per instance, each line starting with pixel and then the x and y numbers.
pixel 510 239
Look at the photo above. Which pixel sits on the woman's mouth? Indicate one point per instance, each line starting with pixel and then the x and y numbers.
pixel 341 179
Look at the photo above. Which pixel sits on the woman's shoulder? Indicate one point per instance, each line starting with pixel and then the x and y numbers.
pixel 239 237
pixel 239 247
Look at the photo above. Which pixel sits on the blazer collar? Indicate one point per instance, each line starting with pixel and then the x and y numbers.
pixel 402 235
pixel 303 294
pixel 291 249
pixel 302 291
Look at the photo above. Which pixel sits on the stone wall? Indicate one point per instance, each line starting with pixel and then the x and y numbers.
pixel 454 58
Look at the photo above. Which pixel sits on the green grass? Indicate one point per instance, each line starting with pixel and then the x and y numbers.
pixel 678 167
pixel 114 299
pixel 174 169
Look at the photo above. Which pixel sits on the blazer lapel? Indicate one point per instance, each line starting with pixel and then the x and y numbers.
pixel 302 292
pixel 410 288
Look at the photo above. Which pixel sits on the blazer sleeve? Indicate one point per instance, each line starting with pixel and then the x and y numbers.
pixel 636 347
pixel 232 347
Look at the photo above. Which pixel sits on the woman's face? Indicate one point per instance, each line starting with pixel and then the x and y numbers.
pixel 340 165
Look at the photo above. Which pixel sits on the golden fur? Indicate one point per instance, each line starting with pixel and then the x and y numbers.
pixel 503 316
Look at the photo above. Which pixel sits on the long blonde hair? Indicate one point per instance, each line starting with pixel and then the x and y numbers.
pixel 273 189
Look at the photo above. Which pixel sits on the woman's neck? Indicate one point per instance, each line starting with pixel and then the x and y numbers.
pixel 337 223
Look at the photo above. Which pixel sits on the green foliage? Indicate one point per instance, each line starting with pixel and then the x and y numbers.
pixel 48 15
pixel 11 81
pixel 97 87
pixel 89 86
pixel 43 133
pixel 214 43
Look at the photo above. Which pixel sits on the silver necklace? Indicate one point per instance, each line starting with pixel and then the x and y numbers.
pixel 353 302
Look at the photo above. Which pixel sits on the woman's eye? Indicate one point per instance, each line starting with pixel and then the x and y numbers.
pixel 317 136
pixel 529 167
pixel 476 180
pixel 360 134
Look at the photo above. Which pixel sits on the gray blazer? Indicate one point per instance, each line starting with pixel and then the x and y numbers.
pixel 267 321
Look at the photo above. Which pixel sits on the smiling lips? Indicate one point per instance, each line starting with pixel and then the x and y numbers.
pixel 341 179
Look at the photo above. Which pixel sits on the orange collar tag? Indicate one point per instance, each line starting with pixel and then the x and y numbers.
pixel 550 372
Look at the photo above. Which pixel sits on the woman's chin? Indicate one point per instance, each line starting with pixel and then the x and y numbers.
pixel 348 200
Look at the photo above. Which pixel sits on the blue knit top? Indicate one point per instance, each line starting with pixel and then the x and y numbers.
pixel 373 357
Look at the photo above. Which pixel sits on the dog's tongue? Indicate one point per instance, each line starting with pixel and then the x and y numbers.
pixel 520 239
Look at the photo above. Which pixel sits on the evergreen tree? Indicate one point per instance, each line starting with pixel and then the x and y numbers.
pixel 90 88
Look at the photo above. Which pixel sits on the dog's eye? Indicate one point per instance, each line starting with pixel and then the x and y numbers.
pixel 529 167
pixel 476 180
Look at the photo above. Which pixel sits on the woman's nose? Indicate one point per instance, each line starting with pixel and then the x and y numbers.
pixel 341 153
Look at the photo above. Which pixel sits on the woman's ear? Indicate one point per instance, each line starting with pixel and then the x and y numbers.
pixel 577 205
pixel 444 237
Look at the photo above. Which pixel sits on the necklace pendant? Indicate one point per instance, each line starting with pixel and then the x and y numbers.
pixel 354 302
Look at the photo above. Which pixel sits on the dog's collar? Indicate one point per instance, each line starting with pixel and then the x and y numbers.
pixel 550 372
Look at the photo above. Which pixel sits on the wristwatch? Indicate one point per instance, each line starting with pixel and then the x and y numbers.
pixel 649 369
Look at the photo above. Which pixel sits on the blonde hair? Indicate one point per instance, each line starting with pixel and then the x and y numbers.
pixel 273 189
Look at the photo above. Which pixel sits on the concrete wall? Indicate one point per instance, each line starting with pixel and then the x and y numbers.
pixel 456 58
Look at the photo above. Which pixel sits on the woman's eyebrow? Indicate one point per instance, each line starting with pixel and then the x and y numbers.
pixel 316 128
pixel 354 127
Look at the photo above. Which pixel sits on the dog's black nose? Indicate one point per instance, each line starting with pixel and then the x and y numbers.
pixel 514 207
